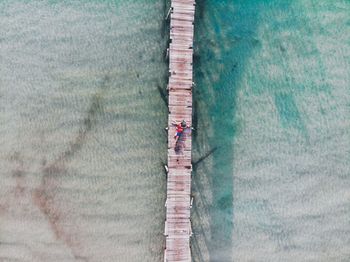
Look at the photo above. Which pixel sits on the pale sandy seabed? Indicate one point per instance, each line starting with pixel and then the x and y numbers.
pixel 82 140
pixel 81 133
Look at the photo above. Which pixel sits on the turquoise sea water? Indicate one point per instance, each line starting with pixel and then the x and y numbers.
pixel 82 140
pixel 273 99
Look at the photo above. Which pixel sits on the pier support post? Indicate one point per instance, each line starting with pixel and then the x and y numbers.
pixel 167 53
pixel 167 16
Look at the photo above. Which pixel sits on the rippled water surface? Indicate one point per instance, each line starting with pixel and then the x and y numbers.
pixel 273 103
pixel 81 130
pixel 82 140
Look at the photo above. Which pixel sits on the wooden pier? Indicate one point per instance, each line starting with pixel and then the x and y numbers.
pixel 178 203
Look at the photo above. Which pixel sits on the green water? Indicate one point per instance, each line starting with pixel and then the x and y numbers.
pixel 81 133
pixel 82 140
pixel 273 100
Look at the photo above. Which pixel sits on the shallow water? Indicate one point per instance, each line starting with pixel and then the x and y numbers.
pixel 273 100
pixel 81 133
pixel 82 144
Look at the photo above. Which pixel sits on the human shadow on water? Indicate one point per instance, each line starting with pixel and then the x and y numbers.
pixel 224 42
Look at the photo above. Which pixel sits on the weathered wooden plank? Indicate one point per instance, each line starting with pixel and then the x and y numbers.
pixel 178 226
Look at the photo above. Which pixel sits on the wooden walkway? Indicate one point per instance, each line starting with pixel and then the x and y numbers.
pixel 178 203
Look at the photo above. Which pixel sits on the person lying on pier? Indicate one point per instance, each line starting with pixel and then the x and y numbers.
pixel 182 132
pixel 180 128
